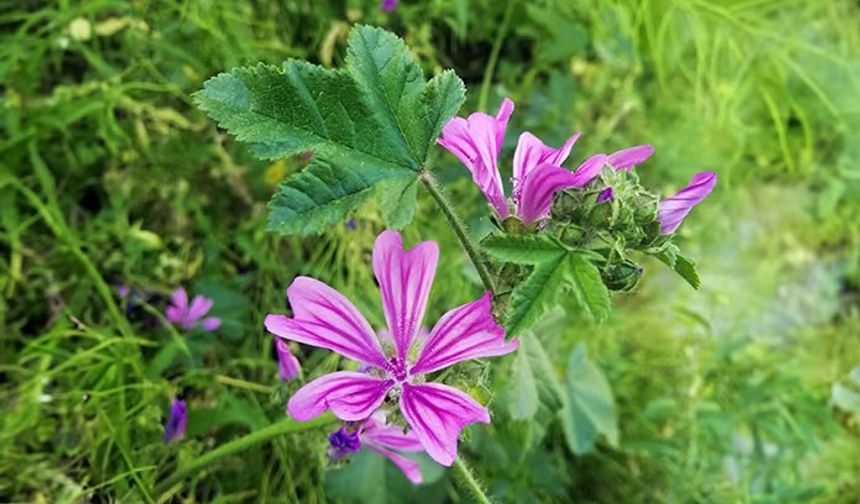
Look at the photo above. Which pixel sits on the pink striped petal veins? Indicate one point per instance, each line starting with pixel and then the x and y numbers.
pixel 467 332
pixel 437 414
pixel 349 395
pixel 409 467
pixel 538 190
pixel 405 279
pixel 673 210
pixel 477 142
pixel 288 365
pixel 323 317
pixel 531 152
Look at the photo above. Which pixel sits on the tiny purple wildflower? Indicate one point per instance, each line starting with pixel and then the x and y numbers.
pixel 123 290
pixel 325 318
pixel 605 195
pixel 288 365
pixel 477 141
pixel 187 316
pixel 174 428
pixel 674 209
pixel 388 5
pixel 343 442
pixel 350 225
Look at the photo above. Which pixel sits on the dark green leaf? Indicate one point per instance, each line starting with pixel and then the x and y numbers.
pixel 537 294
pixel 370 122
pixel 397 199
pixel 588 288
pixel 523 249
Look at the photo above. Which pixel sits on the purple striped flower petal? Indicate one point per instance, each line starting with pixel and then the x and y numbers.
pixel 437 414
pixel 673 210
pixel 477 142
pixel 288 365
pixel 605 195
pixel 589 169
pixel 531 152
pixel 538 189
pixel 323 317
pixel 375 430
pixel 177 420
pixel 409 467
pixel 349 395
pixel 464 333
pixel 405 279
pixel 629 157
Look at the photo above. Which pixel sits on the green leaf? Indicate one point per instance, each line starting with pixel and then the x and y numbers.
pixel 397 199
pixel 523 249
pixel 537 294
pixel 683 266
pixel 589 409
pixel 534 381
pixel 370 122
pixel 588 288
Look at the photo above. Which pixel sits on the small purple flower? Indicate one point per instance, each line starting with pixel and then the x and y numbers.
pixel 288 365
pixel 605 195
pixel 176 421
pixel 324 318
pixel 629 157
pixel 350 225
pixel 180 313
pixel 388 5
pixel 123 290
pixel 343 442
pixel 537 176
pixel 672 210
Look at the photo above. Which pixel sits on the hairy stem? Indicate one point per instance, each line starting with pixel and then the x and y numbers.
pixel 465 480
pixel 285 426
pixel 494 56
pixel 459 229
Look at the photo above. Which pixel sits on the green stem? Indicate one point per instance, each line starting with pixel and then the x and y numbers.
pixel 459 229
pixel 285 426
pixel 467 482
pixel 494 56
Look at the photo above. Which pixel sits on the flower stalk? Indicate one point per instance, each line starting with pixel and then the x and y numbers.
pixel 444 204
pixel 286 426
pixel 465 480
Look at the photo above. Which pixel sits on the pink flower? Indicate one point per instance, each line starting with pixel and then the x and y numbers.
pixel 673 210
pixel 388 5
pixel 325 318
pixel 288 365
pixel 181 314
pixel 537 174
pixel 386 440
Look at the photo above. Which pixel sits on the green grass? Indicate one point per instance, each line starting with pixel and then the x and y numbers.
pixel 108 174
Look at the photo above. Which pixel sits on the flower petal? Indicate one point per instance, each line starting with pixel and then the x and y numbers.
pixel 179 298
pixel 211 323
pixel 589 169
pixel 410 468
pixel 177 420
pixel 349 395
pixel 437 414
pixel 200 306
pixel 177 310
pixel 405 279
pixel 464 333
pixel 531 152
pixel 389 436
pixel 673 210
pixel 323 317
pixel 288 365
pixel 538 189
pixel 477 142
pixel 629 157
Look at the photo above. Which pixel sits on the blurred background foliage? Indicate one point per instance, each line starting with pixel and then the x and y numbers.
pixel 739 392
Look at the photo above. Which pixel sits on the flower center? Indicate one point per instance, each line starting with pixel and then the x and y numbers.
pixel 397 368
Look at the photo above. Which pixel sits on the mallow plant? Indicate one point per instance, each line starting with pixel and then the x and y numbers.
pixel 368 131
